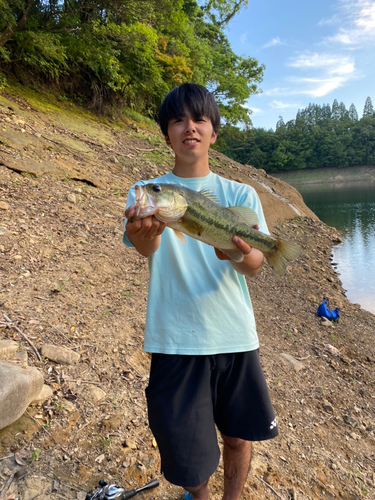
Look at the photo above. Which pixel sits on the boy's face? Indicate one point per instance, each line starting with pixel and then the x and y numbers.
pixel 190 138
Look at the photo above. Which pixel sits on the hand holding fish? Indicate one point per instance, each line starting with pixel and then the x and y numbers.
pixel 252 261
pixel 144 233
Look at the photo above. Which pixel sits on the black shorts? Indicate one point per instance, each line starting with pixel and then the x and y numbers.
pixel 188 395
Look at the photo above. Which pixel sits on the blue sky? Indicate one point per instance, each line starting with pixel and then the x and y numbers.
pixel 314 52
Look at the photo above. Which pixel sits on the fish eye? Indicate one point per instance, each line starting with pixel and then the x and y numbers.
pixel 156 188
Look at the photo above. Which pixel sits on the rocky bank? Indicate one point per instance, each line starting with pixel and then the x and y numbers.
pixel 68 282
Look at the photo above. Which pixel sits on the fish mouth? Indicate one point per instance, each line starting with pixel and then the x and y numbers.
pixel 145 205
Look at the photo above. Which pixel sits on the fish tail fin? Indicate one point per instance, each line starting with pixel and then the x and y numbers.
pixel 286 251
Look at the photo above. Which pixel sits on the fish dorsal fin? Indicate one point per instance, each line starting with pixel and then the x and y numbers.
pixel 247 214
pixel 211 196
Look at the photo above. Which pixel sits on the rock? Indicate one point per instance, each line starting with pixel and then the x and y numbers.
pixel 45 393
pixel 129 443
pixel 100 458
pixel 7 348
pixel 297 365
pixel 30 494
pixel 113 159
pixel 18 388
pixel 4 231
pixel 112 423
pixel 332 350
pixel 72 198
pixel 327 407
pixel 94 394
pixel 350 420
pixel 21 358
pixel 325 322
pixel 60 355
pixel 4 205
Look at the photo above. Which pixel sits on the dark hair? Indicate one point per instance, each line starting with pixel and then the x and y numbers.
pixel 195 98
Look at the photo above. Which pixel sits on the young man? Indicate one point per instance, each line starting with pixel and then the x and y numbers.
pixel 200 328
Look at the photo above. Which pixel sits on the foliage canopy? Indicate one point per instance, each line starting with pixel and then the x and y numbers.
pixel 319 136
pixel 128 52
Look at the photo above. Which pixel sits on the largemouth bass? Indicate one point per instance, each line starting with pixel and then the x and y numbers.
pixel 201 216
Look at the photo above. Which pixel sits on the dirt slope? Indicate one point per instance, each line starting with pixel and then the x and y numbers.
pixel 67 280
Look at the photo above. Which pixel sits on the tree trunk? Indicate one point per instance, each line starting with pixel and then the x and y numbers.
pixel 20 25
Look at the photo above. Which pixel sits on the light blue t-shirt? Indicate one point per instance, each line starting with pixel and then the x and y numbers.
pixel 198 304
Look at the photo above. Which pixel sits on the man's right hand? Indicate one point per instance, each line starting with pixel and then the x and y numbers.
pixel 145 234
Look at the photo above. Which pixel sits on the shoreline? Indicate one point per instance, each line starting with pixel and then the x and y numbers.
pixel 361 174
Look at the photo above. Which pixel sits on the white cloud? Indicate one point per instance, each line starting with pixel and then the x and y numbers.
pixel 279 91
pixel 333 63
pixel 256 111
pixel 331 71
pixel 357 24
pixel 272 43
pixel 282 105
pixel 319 87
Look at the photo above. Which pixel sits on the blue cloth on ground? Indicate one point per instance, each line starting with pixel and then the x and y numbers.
pixel 325 312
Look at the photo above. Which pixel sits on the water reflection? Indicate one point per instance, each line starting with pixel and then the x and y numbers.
pixel 351 209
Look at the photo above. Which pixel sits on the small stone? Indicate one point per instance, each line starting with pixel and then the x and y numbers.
pixel 327 407
pixel 350 420
pixel 325 321
pixel 331 349
pixel 71 198
pixel 100 458
pixel 44 394
pixel 113 159
pixel 60 355
pixel 94 394
pixel 297 365
pixel 4 205
pixel 4 231
pixel 129 443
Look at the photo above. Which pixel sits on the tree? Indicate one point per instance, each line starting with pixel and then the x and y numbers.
pixel 336 111
pixel 343 111
pixel 368 110
pixel 313 140
pixel 280 123
pixel 15 14
pixel 129 52
pixel 353 115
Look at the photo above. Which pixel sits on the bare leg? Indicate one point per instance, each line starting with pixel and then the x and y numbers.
pixel 237 459
pixel 199 492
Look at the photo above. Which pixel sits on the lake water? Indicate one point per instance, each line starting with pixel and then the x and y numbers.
pixel 351 209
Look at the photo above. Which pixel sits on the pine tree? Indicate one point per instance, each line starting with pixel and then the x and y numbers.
pixel 343 110
pixel 280 122
pixel 353 115
pixel 368 110
pixel 326 112
pixel 336 111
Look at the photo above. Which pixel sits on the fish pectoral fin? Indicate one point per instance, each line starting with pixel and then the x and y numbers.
pixel 247 214
pixel 235 255
pixel 211 196
pixel 179 235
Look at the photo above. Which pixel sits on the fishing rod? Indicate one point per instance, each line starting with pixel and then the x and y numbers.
pixel 114 492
